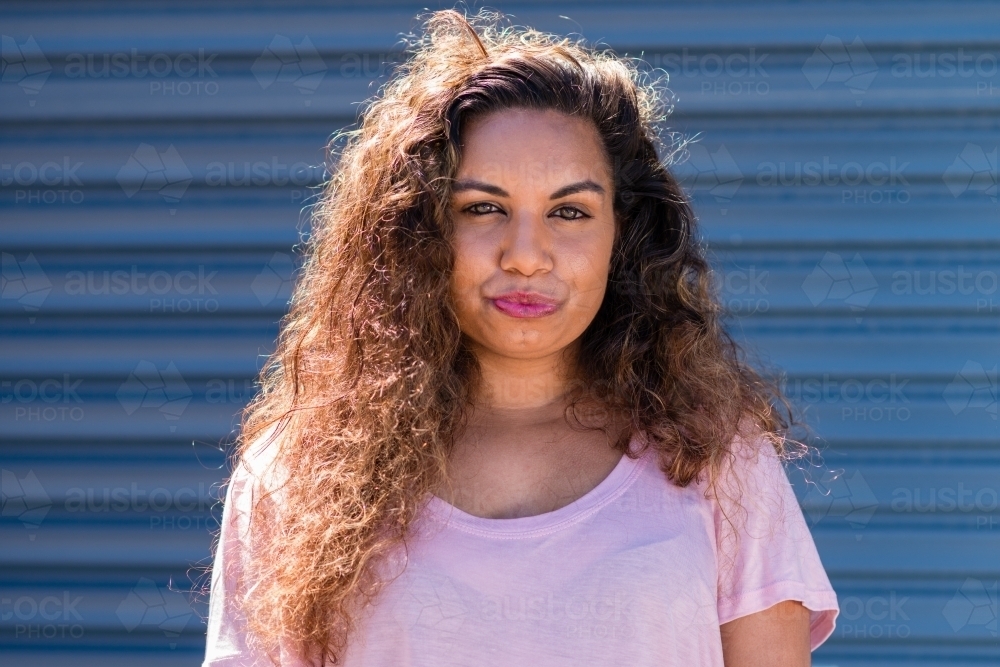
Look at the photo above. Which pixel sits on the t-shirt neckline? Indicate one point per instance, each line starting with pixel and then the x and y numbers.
pixel 607 490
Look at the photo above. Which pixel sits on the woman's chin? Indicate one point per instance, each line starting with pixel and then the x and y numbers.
pixel 524 343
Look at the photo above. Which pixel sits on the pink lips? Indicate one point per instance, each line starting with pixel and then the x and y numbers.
pixel 525 304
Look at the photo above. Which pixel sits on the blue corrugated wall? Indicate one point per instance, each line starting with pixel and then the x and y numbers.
pixel 155 161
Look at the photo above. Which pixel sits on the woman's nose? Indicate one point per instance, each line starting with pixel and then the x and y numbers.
pixel 526 246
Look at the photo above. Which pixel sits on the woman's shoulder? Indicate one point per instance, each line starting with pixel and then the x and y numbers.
pixel 752 499
pixel 258 469
pixel 747 477
pixel 752 455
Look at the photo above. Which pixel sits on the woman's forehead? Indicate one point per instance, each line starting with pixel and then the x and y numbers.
pixel 527 146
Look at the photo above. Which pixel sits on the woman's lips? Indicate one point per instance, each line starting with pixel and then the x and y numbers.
pixel 525 304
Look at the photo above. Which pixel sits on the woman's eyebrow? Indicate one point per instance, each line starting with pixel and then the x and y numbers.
pixel 472 184
pixel 573 188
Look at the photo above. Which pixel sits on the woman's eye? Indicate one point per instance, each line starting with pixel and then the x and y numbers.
pixel 569 213
pixel 483 208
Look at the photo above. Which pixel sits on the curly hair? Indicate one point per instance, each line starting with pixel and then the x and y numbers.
pixel 371 377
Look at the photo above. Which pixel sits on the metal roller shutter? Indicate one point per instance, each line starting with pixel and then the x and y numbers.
pixel 155 162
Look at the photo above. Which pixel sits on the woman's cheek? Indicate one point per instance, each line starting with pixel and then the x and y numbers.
pixel 589 275
pixel 467 283
pixel 463 292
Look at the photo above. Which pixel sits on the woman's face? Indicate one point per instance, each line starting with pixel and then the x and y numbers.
pixel 533 232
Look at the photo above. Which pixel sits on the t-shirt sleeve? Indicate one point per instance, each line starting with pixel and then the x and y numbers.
pixel 226 644
pixel 766 552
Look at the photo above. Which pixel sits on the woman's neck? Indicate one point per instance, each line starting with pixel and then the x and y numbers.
pixel 511 385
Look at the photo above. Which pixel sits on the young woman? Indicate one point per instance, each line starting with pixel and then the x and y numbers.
pixel 503 425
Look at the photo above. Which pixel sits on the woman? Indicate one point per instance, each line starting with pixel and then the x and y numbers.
pixel 503 425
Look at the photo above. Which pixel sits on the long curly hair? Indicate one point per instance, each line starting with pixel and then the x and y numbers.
pixel 371 377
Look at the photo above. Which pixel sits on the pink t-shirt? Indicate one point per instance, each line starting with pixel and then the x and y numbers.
pixel 636 572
